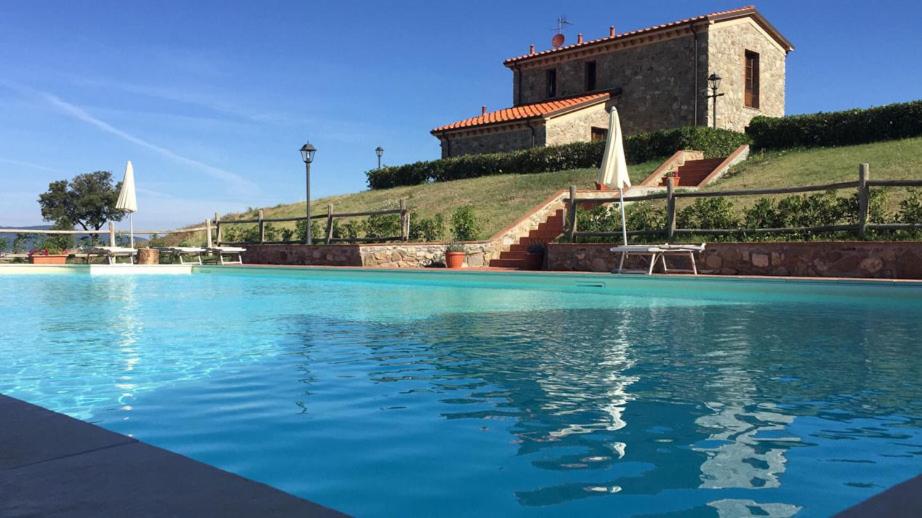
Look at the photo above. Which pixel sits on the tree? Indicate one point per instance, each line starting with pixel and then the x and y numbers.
pixel 87 200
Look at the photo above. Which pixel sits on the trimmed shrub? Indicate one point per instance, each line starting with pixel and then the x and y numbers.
pixel 849 127
pixel 464 224
pixel 638 148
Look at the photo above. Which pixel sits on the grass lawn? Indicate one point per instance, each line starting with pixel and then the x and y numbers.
pixel 893 160
pixel 498 200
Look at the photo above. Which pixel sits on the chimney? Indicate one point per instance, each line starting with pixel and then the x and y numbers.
pixel 531 49
pixel 483 110
pixel 579 38
pixel 611 31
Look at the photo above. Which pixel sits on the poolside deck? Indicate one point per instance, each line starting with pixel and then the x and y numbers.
pixel 54 465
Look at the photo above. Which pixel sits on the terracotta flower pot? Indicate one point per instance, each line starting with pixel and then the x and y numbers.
pixel 49 259
pixel 454 259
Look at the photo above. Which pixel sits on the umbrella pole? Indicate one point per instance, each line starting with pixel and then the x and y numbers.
pixel 623 221
pixel 131 229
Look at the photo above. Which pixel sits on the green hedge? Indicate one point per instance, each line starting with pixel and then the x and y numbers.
pixel 638 148
pixel 890 122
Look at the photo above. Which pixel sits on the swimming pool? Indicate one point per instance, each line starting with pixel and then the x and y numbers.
pixel 395 393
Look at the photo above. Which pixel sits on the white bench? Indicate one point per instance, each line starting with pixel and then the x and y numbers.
pixel 658 253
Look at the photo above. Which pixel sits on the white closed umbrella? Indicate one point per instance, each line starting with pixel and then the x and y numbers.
pixel 127 199
pixel 614 165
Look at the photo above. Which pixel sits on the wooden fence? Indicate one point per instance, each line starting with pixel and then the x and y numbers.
pixel 330 217
pixel 863 186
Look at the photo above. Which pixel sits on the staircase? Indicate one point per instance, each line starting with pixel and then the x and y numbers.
pixel 517 255
pixel 693 169
pixel 693 172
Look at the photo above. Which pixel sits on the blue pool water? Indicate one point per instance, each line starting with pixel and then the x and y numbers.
pixel 396 394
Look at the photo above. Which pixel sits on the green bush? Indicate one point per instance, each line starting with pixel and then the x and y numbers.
pixel 708 213
pixel 382 226
pixel 4 244
pixel 427 229
pixel 844 128
pixel 638 148
pixel 464 224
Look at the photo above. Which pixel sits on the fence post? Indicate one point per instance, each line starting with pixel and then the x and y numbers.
pixel 864 199
pixel 111 234
pixel 329 223
pixel 208 242
pixel 404 221
pixel 670 208
pixel 217 223
pixel 571 215
pixel 262 227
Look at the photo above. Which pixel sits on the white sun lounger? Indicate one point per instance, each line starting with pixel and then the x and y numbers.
pixel 112 253
pixel 658 253
pixel 221 251
pixel 179 251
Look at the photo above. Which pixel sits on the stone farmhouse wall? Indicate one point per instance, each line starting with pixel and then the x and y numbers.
pixel 656 82
pixel 493 140
pixel 657 79
pixel 377 255
pixel 728 43
pixel 576 126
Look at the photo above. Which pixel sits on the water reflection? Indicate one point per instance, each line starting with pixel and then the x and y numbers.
pixel 644 400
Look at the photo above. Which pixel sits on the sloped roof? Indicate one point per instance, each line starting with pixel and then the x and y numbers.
pixel 543 109
pixel 712 17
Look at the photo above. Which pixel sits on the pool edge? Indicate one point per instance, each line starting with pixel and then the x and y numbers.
pixel 52 464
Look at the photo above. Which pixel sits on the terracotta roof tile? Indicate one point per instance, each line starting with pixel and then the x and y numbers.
pixel 742 11
pixel 525 111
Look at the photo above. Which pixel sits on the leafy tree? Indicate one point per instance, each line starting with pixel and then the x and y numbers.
pixel 87 200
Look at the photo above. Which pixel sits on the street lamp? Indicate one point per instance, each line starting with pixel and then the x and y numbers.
pixel 380 152
pixel 307 153
pixel 714 82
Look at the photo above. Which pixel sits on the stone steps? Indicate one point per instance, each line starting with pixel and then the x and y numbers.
pixel 517 255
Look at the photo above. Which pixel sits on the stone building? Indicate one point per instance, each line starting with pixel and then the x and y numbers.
pixel 657 78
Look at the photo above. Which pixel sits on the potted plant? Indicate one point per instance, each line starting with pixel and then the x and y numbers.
pixel 454 255
pixel 535 258
pixel 48 252
pixel 675 178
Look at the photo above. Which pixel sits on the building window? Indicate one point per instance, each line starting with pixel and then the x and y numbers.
pixel 751 81
pixel 590 76
pixel 598 134
pixel 551 79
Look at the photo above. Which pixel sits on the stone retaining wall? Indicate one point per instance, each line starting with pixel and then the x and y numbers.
pixel 862 259
pixel 378 255
pixel 314 255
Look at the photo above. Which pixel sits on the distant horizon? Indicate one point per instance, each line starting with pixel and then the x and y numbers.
pixel 213 121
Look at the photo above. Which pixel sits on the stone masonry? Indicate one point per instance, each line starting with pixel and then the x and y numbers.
pixel 862 259
pixel 657 77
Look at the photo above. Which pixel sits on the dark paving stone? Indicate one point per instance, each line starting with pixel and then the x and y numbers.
pixel 99 473
pixel 901 500
pixel 30 434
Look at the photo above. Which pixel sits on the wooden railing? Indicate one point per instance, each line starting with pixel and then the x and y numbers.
pixel 860 228
pixel 260 221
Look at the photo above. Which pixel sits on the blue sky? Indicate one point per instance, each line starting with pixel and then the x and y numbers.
pixel 211 100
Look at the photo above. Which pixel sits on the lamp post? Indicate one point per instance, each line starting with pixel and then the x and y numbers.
pixel 714 82
pixel 307 153
pixel 380 152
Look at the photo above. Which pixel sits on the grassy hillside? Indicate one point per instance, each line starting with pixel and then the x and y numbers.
pixel 893 160
pixel 498 200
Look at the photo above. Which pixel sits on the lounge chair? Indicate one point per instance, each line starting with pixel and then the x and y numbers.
pixel 658 253
pixel 221 251
pixel 178 252
pixel 112 253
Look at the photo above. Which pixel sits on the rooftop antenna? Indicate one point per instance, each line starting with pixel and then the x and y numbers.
pixel 558 39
